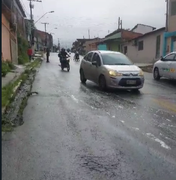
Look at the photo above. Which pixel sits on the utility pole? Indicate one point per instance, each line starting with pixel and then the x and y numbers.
pixel 31 6
pixel 119 23
pixel 58 45
pixel 45 33
pixel 89 33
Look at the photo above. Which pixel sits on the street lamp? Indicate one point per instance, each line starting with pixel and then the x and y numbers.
pixel 43 16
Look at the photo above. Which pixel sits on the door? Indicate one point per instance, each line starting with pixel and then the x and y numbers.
pixel 174 45
pixel 166 65
pixel 87 65
pixel 172 66
pixel 95 70
pixel 84 63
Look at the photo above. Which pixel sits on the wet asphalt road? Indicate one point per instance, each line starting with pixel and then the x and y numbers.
pixel 77 132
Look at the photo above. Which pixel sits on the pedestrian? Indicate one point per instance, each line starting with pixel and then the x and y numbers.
pixel 47 55
pixel 30 53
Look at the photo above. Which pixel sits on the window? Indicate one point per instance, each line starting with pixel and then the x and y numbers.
pixel 140 45
pixel 170 57
pixel 85 57
pixel 125 49
pixel 174 58
pixel 173 8
pixel 96 58
pixel 89 57
pixel 115 59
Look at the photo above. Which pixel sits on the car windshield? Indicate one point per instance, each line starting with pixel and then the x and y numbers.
pixel 115 59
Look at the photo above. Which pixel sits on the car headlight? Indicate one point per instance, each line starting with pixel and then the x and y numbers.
pixel 141 73
pixel 114 73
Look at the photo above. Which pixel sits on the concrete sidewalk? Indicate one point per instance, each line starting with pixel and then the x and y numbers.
pixel 12 76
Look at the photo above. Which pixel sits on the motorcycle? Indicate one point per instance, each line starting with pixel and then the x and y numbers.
pixel 76 58
pixel 65 64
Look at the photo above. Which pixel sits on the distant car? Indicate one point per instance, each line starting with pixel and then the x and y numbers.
pixel 165 67
pixel 111 69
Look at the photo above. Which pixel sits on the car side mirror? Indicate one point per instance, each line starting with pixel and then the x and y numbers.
pixel 162 59
pixel 94 63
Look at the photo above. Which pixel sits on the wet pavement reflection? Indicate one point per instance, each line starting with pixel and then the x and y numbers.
pixel 75 131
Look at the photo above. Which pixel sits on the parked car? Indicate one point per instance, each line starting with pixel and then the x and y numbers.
pixel 165 67
pixel 111 69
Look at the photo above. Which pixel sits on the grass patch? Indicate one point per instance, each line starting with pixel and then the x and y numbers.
pixel 8 96
pixel 7 91
pixel 6 127
pixel 6 67
pixel 34 64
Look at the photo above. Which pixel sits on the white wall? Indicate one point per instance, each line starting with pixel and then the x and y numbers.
pixel 143 29
pixel 148 54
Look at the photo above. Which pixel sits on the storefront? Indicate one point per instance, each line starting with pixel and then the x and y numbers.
pixel 169 42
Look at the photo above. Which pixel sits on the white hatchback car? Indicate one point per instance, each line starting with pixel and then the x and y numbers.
pixel 111 69
pixel 165 67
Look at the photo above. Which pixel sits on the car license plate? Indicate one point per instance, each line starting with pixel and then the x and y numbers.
pixel 131 82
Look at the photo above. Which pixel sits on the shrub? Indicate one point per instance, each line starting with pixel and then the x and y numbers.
pixel 22 50
pixel 4 68
pixel 11 65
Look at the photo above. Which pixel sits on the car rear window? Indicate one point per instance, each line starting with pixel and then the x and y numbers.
pixel 115 59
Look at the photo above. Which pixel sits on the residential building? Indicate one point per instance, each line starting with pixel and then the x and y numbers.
pixel 84 45
pixel 19 17
pixel 142 28
pixel 12 21
pixel 42 39
pixel 91 44
pixel 169 43
pixel 146 48
pixel 5 41
pixel 114 40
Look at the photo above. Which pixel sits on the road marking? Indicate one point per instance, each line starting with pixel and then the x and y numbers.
pixel 167 105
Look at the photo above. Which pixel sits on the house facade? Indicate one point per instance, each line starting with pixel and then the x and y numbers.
pixel 12 22
pixel 91 44
pixel 114 40
pixel 169 38
pixel 18 17
pixel 85 45
pixel 5 40
pixel 40 38
pixel 146 48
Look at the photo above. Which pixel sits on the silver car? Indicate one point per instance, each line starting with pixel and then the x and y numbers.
pixel 111 69
pixel 165 67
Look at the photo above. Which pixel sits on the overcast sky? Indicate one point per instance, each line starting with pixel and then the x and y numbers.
pixel 73 18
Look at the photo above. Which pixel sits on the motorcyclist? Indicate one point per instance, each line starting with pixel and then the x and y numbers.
pixel 63 55
pixel 76 55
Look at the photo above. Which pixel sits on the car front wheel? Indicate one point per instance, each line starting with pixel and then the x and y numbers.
pixel 102 83
pixel 156 74
pixel 82 77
